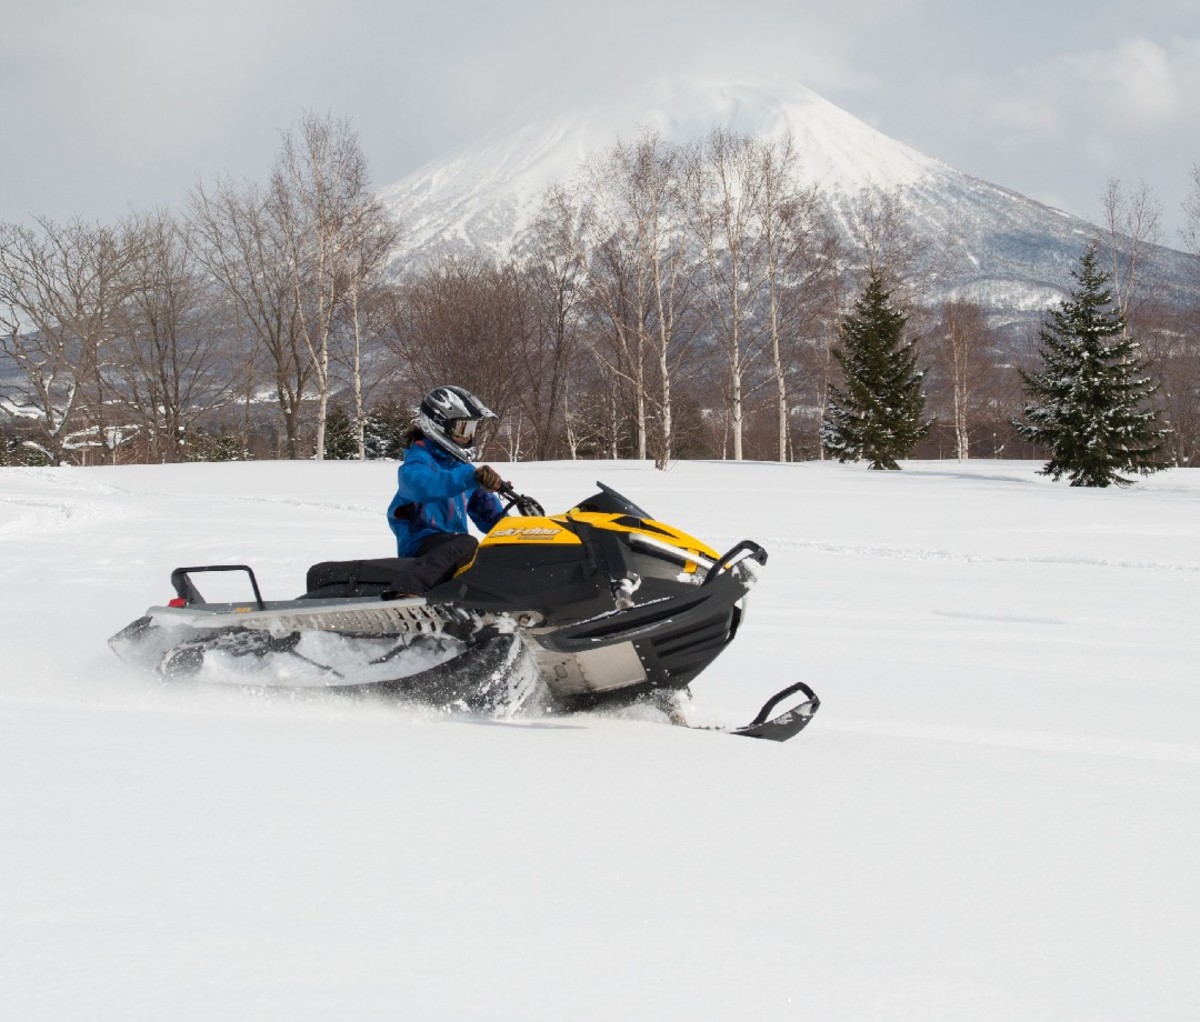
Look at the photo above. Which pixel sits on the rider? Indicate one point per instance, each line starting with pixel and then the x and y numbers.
pixel 439 487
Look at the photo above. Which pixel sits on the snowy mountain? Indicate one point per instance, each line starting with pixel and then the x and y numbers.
pixel 1012 254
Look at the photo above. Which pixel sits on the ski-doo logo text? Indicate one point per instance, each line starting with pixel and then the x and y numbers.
pixel 532 532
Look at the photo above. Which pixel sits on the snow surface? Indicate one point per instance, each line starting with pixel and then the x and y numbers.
pixel 995 815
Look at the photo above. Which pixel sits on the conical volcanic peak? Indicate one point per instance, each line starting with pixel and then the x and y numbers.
pixel 1009 252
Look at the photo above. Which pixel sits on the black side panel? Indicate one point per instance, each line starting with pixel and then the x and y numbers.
pixel 675 657
pixel 560 581
pixel 675 637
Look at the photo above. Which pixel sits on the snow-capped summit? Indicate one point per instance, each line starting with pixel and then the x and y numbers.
pixel 483 195
pixel 1009 252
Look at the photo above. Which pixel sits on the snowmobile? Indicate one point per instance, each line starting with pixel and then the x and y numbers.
pixel 602 604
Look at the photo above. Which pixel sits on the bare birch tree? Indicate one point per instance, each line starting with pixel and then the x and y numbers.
pixel 725 194
pixel 465 323
pixel 555 263
pixel 887 244
pixel 371 237
pixel 799 260
pixel 240 244
pixel 1170 340
pixel 959 350
pixel 1132 225
pixel 1190 231
pixel 616 305
pixel 637 277
pixel 321 201
pixel 171 362
pixel 60 288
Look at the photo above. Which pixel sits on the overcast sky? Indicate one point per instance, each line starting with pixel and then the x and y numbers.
pixel 112 105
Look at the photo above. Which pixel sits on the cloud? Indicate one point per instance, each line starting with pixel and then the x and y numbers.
pixel 1133 87
pixel 111 103
pixel 1056 124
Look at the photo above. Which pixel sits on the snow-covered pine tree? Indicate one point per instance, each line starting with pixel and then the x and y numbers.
pixel 341 441
pixel 1089 401
pixel 385 429
pixel 878 416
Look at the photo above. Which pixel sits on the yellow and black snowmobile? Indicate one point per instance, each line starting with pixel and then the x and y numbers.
pixel 600 604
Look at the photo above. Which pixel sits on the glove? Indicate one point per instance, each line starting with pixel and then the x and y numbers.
pixel 488 478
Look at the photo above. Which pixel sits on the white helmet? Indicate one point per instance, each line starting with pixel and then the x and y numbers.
pixel 449 417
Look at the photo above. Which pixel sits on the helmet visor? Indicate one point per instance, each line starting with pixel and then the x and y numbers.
pixel 462 431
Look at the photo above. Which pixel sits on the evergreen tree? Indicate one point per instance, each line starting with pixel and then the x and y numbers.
pixel 1089 402
pixel 385 428
pixel 16 452
pixel 201 445
pixel 878 415
pixel 341 441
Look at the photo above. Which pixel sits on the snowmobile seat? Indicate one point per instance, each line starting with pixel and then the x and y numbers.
pixel 364 578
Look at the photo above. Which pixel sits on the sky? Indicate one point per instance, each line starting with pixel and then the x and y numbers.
pixel 112 105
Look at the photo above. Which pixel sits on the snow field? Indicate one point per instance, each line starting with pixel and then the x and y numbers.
pixel 993 816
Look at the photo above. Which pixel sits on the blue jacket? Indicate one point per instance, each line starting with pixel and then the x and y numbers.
pixel 436 493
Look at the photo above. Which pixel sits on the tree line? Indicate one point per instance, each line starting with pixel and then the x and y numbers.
pixel 1088 402
pixel 671 301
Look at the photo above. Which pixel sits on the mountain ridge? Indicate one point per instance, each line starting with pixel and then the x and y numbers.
pixel 1014 253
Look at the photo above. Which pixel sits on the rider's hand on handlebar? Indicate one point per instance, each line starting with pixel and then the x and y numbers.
pixel 488 478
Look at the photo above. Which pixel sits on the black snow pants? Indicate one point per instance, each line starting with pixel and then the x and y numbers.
pixel 438 558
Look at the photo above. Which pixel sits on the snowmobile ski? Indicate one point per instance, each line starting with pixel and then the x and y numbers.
pixel 782 726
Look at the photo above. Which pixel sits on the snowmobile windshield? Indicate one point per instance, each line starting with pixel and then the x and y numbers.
pixel 609 502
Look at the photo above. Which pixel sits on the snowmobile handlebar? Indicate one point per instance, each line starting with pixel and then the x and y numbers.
pixel 526 506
